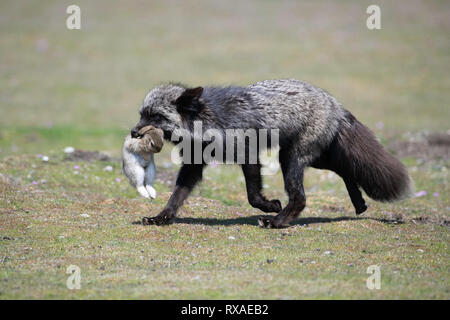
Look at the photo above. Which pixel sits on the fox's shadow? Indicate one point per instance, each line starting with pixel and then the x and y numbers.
pixel 253 220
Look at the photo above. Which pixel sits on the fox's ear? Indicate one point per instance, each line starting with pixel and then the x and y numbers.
pixel 189 101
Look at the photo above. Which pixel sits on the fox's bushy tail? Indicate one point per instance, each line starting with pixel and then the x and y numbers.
pixel 377 172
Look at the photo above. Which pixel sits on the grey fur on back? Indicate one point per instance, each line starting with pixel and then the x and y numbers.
pixel 307 114
pixel 302 112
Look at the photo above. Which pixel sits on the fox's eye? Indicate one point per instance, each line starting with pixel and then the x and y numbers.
pixel 159 118
pixel 156 117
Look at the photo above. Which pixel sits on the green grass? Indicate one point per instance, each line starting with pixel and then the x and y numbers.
pixel 195 257
pixel 84 91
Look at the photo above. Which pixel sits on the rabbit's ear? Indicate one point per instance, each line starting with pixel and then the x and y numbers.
pixel 145 130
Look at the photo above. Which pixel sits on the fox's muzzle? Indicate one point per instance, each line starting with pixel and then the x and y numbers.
pixel 134 133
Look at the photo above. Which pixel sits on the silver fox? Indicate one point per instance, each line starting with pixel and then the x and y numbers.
pixel 314 131
pixel 138 163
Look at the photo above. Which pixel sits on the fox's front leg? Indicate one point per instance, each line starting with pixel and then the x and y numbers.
pixel 253 181
pixel 187 178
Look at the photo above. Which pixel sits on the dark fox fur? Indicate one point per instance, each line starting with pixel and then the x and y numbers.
pixel 314 130
pixel 357 156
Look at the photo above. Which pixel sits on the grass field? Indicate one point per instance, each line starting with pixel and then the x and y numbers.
pixel 62 88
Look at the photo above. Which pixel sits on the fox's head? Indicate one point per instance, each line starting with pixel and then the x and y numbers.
pixel 164 107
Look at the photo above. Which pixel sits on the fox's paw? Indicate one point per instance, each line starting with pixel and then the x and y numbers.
pixel 361 209
pixel 276 205
pixel 165 217
pixel 146 221
pixel 157 221
pixel 266 205
pixel 271 223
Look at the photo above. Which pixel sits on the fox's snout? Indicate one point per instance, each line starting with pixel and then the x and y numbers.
pixel 134 133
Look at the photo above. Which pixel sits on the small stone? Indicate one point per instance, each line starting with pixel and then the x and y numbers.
pixel 108 169
pixel 45 158
pixel 420 250
pixel 84 215
pixel 328 253
pixel 231 238
pixel 69 149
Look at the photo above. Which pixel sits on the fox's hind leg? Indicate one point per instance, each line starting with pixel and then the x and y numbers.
pixel 292 167
pixel 253 181
pixel 329 160
pixel 355 196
